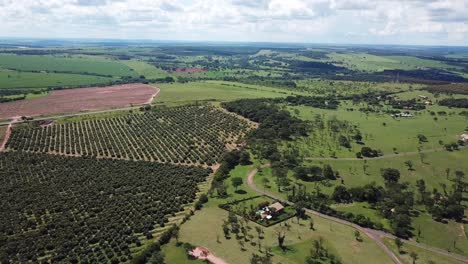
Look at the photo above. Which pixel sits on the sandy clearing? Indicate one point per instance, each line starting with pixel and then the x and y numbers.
pixel 205 254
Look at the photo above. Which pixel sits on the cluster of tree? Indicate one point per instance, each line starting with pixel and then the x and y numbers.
pixel 228 161
pixel 171 134
pixel 274 122
pixel 312 101
pixel 394 202
pixel 445 204
pixel 315 173
pixel 411 104
pixel 452 88
pixel 454 102
pixel 314 67
pixel 92 210
pixel 320 201
pixel 368 152
pixel 319 254
pixel 9 99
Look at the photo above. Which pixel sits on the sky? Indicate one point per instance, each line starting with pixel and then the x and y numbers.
pixel 406 22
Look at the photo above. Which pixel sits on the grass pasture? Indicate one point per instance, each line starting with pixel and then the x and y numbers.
pixel 32 80
pixel 145 69
pixel 424 256
pixel 95 65
pixel 379 131
pixel 213 91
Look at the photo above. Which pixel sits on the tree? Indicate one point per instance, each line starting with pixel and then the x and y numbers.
pixel 357 235
pixel 447 173
pixel 244 158
pixel 358 137
pixel 399 244
pixel 328 172
pixel 341 195
pixel 281 236
pixel 409 164
pixel 236 182
pixel 311 224
pixel 343 141
pixel 414 256
pixel 390 175
pixel 300 211
pixel 265 181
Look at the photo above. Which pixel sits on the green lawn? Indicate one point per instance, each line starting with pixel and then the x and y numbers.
pixel 94 65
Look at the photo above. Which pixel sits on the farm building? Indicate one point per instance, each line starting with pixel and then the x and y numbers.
pixel 402 115
pixel 270 211
pixel 464 137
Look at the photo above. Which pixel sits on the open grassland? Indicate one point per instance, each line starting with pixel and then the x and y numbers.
pixel 27 80
pixel 415 62
pixel 95 65
pixel 373 63
pixel 206 225
pixel 424 256
pixel 379 131
pixel 366 62
pixel 214 91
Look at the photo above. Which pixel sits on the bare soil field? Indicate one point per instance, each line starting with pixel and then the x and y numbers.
pixel 82 99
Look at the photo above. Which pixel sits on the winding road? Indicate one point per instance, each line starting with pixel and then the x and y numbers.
pixel 375 235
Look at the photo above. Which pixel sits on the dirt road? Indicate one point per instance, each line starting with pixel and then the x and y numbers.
pixel 8 133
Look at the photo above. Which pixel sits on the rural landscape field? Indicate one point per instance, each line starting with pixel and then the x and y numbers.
pixel 231 152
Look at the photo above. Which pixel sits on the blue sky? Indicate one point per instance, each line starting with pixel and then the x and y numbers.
pixel 420 22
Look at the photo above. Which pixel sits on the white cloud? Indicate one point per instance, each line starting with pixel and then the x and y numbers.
pixel 363 21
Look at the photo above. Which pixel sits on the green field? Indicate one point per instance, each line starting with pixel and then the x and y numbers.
pixel 379 131
pixel 95 65
pixel 31 80
pixel 213 91
pixel 145 69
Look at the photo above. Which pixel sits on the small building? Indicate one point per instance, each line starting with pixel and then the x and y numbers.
pixel 277 207
pixel 464 137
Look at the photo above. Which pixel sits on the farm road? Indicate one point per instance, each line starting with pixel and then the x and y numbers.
pixel 375 235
